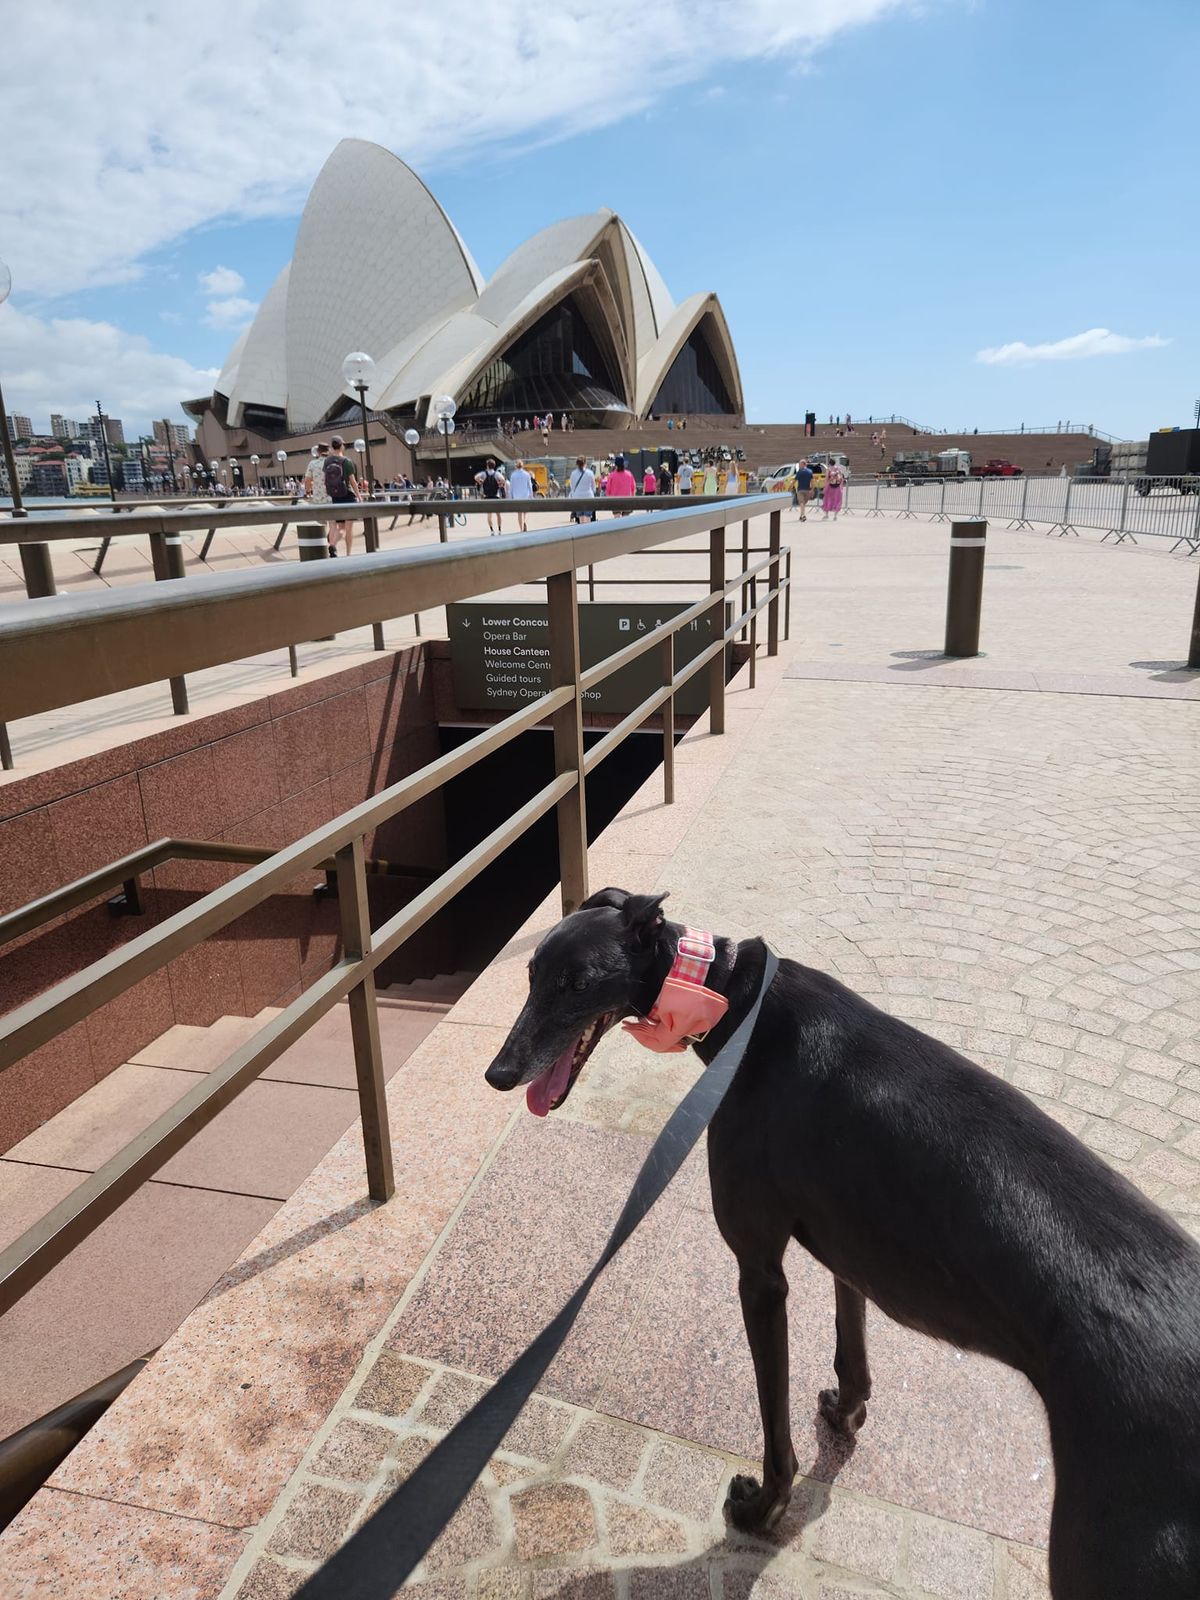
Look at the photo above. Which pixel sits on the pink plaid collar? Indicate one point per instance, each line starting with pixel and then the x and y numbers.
pixel 685 1010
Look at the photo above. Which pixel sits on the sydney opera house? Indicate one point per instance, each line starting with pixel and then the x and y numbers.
pixel 577 320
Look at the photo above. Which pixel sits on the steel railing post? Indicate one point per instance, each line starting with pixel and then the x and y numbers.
pixel 371 540
pixel 1065 525
pixel 166 557
pixel 667 660
pixel 6 755
pixel 364 1021
pixel 753 631
pixel 787 596
pixel 716 667
pixel 39 574
pixel 563 602
pixel 1020 521
pixel 745 564
pixel 773 542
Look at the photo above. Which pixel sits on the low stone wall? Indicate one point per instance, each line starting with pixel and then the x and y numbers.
pixel 263 773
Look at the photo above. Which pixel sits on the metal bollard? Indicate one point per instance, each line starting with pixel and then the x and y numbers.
pixel 314 546
pixel 964 594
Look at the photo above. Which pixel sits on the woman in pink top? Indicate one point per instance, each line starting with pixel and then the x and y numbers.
pixel 649 481
pixel 621 483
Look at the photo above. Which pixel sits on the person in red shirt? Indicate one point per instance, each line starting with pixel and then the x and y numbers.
pixel 621 483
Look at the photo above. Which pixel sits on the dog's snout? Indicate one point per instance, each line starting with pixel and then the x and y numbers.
pixel 503 1073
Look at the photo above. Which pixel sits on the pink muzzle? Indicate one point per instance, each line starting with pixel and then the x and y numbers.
pixel 685 1010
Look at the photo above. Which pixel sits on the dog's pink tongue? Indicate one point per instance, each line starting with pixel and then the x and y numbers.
pixel 544 1091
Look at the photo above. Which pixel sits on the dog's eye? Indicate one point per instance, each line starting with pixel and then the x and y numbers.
pixel 581 981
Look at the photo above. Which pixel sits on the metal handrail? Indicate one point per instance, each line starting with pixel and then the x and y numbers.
pixel 149 632
pixel 125 873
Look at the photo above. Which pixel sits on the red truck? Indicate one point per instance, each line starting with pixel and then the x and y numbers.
pixel 996 469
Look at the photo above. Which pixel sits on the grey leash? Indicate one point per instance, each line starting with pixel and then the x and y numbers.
pixel 376 1561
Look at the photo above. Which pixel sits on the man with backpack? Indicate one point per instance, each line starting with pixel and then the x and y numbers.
pixel 342 487
pixel 492 487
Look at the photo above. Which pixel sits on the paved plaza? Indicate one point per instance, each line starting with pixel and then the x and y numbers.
pixel 1000 851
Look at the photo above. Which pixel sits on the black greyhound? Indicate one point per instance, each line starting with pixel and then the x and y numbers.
pixel 939 1192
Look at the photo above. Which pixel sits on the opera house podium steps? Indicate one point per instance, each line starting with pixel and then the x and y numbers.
pixel 130 1285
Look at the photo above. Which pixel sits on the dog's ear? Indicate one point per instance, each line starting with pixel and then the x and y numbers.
pixel 616 898
pixel 643 917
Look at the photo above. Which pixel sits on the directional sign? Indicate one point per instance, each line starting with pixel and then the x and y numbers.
pixel 500 654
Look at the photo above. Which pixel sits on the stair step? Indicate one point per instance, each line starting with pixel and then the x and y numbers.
pixel 193 1049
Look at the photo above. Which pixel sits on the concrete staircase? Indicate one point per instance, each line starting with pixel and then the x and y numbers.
pixel 771 444
pixel 130 1285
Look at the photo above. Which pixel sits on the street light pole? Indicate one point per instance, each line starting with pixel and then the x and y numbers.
pixel 112 488
pixel 444 408
pixel 10 461
pixel 357 369
pixel 254 464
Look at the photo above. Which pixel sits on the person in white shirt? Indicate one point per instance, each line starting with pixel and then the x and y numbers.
pixel 520 487
pixel 581 485
pixel 685 477
pixel 315 490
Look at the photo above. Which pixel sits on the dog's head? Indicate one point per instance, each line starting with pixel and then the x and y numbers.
pixel 603 962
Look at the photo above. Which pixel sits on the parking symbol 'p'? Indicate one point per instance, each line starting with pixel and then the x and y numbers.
pixel 623 624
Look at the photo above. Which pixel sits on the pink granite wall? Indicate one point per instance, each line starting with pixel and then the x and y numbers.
pixel 262 773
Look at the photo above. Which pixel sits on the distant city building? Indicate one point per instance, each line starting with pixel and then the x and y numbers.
pixel 25 466
pixel 98 473
pixel 19 427
pixel 63 427
pixel 577 321
pixel 113 427
pixel 175 435
pixel 130 475
pixel 48 477
pixel 77 471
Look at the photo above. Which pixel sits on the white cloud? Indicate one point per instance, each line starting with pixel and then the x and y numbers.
pixel 1095 342
pixel 232 313
pixel 234 120
pixel 66 364
pixel 222 281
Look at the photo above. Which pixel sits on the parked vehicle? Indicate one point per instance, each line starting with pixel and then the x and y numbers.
pixel 923 466
pixel 778 480
pixel 1172 462
pixel 997 468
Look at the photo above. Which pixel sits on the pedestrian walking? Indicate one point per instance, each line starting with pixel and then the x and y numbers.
pixel 733 482
pixel 835 480
pixel 649 481
pixel 665 485
pixel 802 489
pixel 710 478
pixel 314 488
pixel 562 423
pixel 621 484
pixel 581 485
pixel 343 488
pixel 686 474
pixel 520 488
pixel 491 488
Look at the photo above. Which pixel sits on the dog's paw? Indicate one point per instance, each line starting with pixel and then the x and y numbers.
pixel 841 1420
pixel 752 1508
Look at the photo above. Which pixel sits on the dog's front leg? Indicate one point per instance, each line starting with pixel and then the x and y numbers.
pixel 845 1408
pixel 763 1289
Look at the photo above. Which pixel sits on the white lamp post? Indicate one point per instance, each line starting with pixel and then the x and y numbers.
pixel 254 464
pixel 358 369
pixel 412 439
pixel 213 468
pixel 444 408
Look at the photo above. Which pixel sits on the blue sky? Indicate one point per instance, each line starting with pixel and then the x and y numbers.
pixel 873 209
